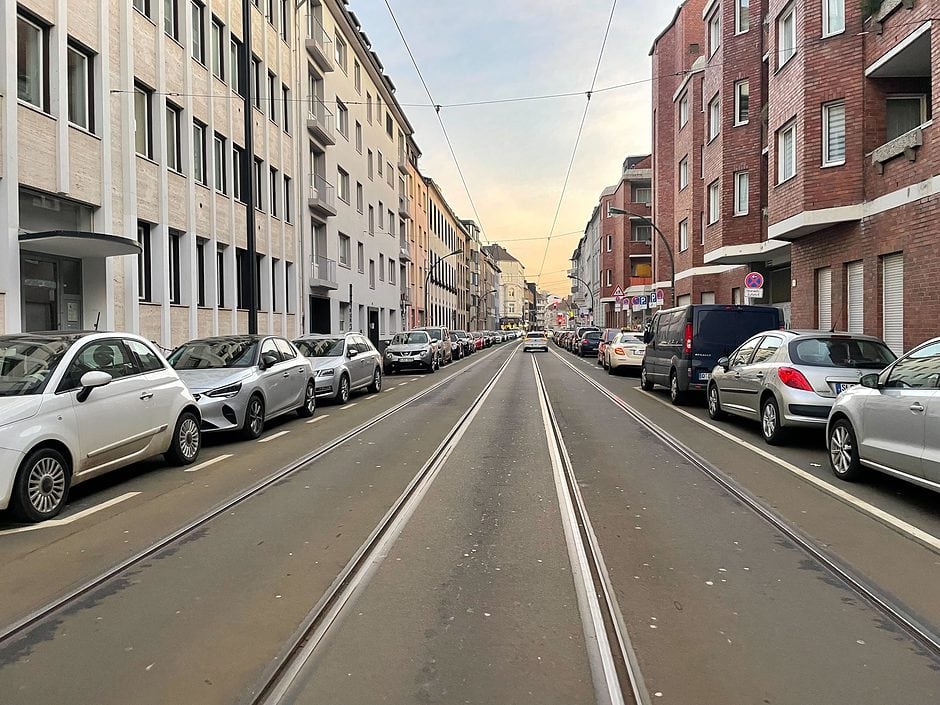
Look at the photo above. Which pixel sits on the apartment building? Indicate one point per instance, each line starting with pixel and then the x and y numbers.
pixel 448 253
pixel 490 289
pixel 585 273
pixel 511 286
pixel 416 254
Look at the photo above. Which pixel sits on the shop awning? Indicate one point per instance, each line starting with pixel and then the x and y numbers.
pixel 78 244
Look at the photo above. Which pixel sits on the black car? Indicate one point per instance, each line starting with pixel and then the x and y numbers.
pixel 588 343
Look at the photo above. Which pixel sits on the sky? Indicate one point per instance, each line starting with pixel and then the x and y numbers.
pixel 514 156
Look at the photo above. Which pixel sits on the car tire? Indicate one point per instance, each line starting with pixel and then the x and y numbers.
pixel 770 426
pixel 389 371
pixel 186 441
pixel 676 395
pixel 253 426
pixel 714 403
pixel 309 406
pixel 611 370
pixel 342 394
pixel 645 384
pixel 47 472
pixel 376 385
pixel 843 452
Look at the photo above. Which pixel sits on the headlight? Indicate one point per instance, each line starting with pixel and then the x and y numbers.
pixel 226 392
pixel 326 373
pixel 388 353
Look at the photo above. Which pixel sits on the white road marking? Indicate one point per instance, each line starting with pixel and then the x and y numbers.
pixel 402 384
pixel 348 406
pixel 211 461
pixel 390 389
pixel 271 438
pixel 319 418
pixel 371 396
pixel 837 492
pixel 415 379
pixel 75 517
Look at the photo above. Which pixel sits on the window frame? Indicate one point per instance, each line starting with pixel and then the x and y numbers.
pixel 683 173
pixel 788 12
pixel 216 42
pixel 739 26
pixel 786 128
pixel 714 202
pixel 44 60
pixel 199 31
pixel 683 109
pixel 219 163
pixel 174 265
pixel 200 147
pixel 88 74
pixel 714 32
pixel 174 161
pixel 344 240
pixel 683 235
pixel 145 262
pixel 738 193
pixel 342 119
pixel 746 84
pixel 827 133
pixel 147 94
pixel 342 184
pixel 827 29
pixel 714 117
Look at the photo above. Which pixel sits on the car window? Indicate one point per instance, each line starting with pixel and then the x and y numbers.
pixel 919 370
pixel 102 355
pixel 147 359
pixel 413 338
pixel 766 349
pixel 320 347
pixel 593 335
pixel 743 354
pixel 26 365
pixel 718 331
pixel 841 352
pixel 215 354
pixel 629 339
pixel 283 347
pixel 363 345
pixel 269 346
pixel 435 334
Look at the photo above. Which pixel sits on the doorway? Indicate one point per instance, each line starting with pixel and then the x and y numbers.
pixel 51 292
pixel 320 315
pixel 374 326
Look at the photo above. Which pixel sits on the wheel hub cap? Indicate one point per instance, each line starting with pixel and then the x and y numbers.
pixel 46 484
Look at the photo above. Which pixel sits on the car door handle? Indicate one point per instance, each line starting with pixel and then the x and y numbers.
pixel 759 375
pixel 917 408
pixel 146 395
pixel 286 374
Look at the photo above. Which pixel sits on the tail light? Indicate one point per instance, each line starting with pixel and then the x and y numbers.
pixel 794 379
pixel 688 337
pixel 584 342
pixel 618 351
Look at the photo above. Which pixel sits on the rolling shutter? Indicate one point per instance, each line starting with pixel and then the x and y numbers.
pixel 855 289
pixel 824 298
pixel 893 301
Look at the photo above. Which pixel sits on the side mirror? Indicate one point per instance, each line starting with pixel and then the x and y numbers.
pixel 352 352
pixel 723 363
pixel 269 359
pixel 647 336
pixel 870 381
pixel 90 380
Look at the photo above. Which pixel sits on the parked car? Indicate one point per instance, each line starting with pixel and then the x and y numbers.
pixel 343 364
pixel 787 379
pixel 479 342
pixel 891 422
pixel 535 340
pixel 607 337
pixel 410 350
pixel 440 338
pixel 74 406
pixel 684 344
pixel 466 342
pixel 625 352
pixel 241 381
pixel 586 344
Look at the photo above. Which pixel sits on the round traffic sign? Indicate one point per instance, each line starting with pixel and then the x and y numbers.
pixel 754 280
pixel 660 294
pixel 636 300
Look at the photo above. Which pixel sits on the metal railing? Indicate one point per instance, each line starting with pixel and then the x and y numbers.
pixel 321 190
pixel 405 247
pixel 323 269
pixel 404 204
pixel 319 37
pixel 318 115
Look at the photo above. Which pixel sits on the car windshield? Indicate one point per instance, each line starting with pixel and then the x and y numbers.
pixel 535 335
pixel 214 354
pixel 26 365
pixel 413 338
pixel 435 333
pixel 841 352
pixel 631 340
pixel 320 347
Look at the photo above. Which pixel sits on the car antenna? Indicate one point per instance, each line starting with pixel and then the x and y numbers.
pixel 97 321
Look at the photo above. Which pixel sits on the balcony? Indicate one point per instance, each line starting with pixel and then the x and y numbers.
pixel 403 161
pixel 319 45
pixel 404 207
pixel 320 122
pixel 404 251
pixel 322 197
pixel 641 281
pixel 406 297
pixel 323 274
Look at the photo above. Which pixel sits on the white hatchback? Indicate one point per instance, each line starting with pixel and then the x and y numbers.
pixel 77 405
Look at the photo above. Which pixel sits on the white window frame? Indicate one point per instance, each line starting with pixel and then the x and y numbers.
pixel 738 122
pixel 341 52
pixel 200 173
pixel 828 28
pixel 342 184
pixel 145 96
pixel 610 278
pixel 789 12
pixel 783 175
pixel 216 44
pixel 345 249
pixel 714 32
pixel 41 69
pixel 739 26
pixel 610 243
pixel 342 119
pixel 684 172
pixel 827 132
pixel 741 188
pixel 85 87
pixel 683 109
pixel 684 235
pixel 714 202
pixel 714 117
pixel 174 139
pixel 219 152
pixel 358 137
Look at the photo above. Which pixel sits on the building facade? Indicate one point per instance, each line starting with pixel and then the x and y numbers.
pixel 511 286
pixel 447 263
pixel 585 274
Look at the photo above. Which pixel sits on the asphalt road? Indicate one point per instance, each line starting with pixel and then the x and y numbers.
pixel 476 600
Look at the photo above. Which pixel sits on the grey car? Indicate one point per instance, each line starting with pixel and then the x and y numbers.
pixel 411 350
pixel 343 364
pixel 440 339
pixel 891 422
pixel 240 381
pixel 787 379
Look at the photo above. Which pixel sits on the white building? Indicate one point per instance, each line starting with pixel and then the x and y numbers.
pixel 585 265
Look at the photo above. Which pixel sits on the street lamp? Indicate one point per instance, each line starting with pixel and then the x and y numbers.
pixel 590 293
pixel 427 278
pixel 485 309
pixel 672 260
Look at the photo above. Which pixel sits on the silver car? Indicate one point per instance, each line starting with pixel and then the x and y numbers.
pixel 788 379
pixel 240 381
pixel 891 422
pixel 343 364
pixel 409 350
pixel 535 340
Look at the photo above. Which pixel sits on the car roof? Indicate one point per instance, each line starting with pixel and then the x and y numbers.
pixel 231 338
pixel 51 335
pixel 325 336
pixel 797 333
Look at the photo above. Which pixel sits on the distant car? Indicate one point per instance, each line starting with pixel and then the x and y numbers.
pixel 479 342
pixel 410 350
pixel 343 364
pixel 624 352
pixel 242 381
pixel 891 422
pixel 587 344
pixel 466 342
pixel 607 337
pixel 74 406
pixel 440 338
pixel 535 340
pixel 787 379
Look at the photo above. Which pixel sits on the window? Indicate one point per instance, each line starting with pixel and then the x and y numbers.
pixel 389 174
pixel 391 271
pixel 235 66
pixel 610 278
pixel 741 100
pixel 714 117
pixel 242 278
pixel 258 169
pixel 714 202
pixel 81 80
pixel 381 216
pixel 742 16
pixel 170 18
pixel 285 24
pixel 361 257
pixel 381 268
pixel 144 289
pixel 143 7
pixel 642 194
pixel 274 180
pixel 744 353
pixel 358 137
pixel 201 271
pixel 199 43
pixel 684 172
pixel 714 32
pixel 218 154
pixel 370 165
pixel 641 233
pixel 174 156
pixel 369 107
pixel 357 76
pixel 199 153
pixel 148 359
pixel 342 118
pixel 272 96
pixel 741 193
pixel 833 17
pixel 905 113
pixel 340 47
pixel 285 104
pixel 610 243
pixel 220 275
pixel 143 136
pixel 343 250
pixel 683 110
pixel 371 273
pixel 824 298
pixel 833 134
pixel 371 220
pixel 343 183
pixel 380 162
pixel 269 11
pixel 684 235
pixel 892 306
pixel 218 62
pixel 175 271
pixel 786 35
pixel 256 83
pixel 389 125
pixel 359 197
pixel 855 297
pixel 786 153
pixel 32 58
pixel 288 200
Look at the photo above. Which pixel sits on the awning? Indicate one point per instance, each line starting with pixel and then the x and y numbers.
pixel 77 244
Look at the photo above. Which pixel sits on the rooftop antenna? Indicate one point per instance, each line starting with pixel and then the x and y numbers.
pixel 97 321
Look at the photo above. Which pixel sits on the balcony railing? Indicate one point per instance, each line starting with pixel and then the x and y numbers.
pixel 323 273
pixel 406 296
pixel 641 281
pixel 319 44
pixel 404 206
pixel 402 160
pixel 322 196
pixel 404 249
pixel 320 121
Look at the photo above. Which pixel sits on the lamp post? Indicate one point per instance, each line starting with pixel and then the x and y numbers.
pixel 590 293
pixel 672 260
pixel 427 279
pixel 485 310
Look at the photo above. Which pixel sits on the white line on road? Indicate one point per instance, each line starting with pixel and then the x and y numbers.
pixel 75 517
pixel 402 384
pixel 211 461
pixel 271 438
pixel 371 396
pixel 348 406
pixel 415 379
pixel 319 418
pixel 390 389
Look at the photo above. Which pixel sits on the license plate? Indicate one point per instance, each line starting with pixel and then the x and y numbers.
pixel 704 376
pixel 638 351
pixel 844 386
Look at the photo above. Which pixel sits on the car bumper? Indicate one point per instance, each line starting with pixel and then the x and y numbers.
pixel 535 346
pixel 327 386
pixel 808 413
pixel 9 463
pixel 626 361
pixel 221 414
pixel 401 363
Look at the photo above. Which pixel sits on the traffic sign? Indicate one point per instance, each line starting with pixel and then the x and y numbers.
pixel 618 292
pixel 660 297
pixel 753 293
pixel 754 280
pixel 635 301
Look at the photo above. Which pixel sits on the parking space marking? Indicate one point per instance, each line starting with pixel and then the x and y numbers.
pixel 348 406
pixel 372 396
pixel 390 389
pixel 70 519
pixel 415 379
pixel 402 384
pixel 211 461
pixel 837 492
pixel 271 438
pixel 319 418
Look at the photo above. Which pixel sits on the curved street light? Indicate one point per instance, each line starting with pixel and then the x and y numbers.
pixel 590 293
pixel 427 279
pixel 672 260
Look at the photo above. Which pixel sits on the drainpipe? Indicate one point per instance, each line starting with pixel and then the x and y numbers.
pixel 250 159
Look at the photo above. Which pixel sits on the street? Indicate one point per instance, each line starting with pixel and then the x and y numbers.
pixel 442 553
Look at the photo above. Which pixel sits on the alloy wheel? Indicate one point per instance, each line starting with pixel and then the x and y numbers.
pixel 188 438
pixel 45 484
pixel 769 420
pixel 343 394
pixel 255 416
pixel 841 449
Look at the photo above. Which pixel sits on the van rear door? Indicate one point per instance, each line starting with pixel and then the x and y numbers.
pixel 718 330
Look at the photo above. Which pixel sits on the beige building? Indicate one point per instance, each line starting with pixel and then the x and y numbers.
pixel 512 287
pixel 448 255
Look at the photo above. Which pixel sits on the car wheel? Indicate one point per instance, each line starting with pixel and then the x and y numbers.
pixel 390 370
pixel 310 401
pixel 645 384
pixel 675 394
pixel 843 452
pixel 254 418
pixel 770 426
pixel 342 394
pixel 187 440
pixel 610 370
pixel 714 403
pixel 42 485
pixel 376 385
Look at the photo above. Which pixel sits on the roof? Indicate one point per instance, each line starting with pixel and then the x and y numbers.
pixel 669 26
pixel 499 253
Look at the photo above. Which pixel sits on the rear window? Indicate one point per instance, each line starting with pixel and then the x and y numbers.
pixel 592 335
pixel 535 335
pixel 841 352
pixel 719 331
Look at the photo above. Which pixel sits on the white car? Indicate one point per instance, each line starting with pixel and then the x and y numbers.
pixel 625 352
pixel 535 340
pixel 77 405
